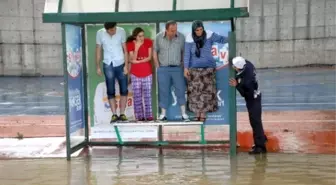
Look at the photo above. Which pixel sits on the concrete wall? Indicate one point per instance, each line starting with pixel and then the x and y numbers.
pixel 27 46
pixel 282 33
pixel 278 33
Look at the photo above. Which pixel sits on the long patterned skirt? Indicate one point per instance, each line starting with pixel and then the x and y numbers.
pixel 202 90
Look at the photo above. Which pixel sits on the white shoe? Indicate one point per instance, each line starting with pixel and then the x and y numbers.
pixel 162 117
pixel 185 117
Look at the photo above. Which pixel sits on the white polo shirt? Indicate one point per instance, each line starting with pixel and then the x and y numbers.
pixel 112 46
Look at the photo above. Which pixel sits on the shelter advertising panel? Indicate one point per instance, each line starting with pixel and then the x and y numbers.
pixel 220 53
pixel 73 37
pixel 99 111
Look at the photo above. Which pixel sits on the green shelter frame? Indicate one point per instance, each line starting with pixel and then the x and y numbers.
pixel 64 12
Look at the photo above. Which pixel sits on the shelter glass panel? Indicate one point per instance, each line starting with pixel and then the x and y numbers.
pixel 75 87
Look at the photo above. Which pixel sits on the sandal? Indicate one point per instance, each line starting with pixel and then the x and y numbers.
pixel 202 119
pixel 196 119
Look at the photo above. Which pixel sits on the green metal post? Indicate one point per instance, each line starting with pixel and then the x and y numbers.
pixel 174 4
pixel 85 86
pixel 160 133
pixel 232 3
pixel 232 97
pixel 155 103
pixel 60 5
pixel 116 8
pixel 203 141
pixel 118 135
pixel 66 95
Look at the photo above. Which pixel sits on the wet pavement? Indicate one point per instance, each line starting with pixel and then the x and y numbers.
pixel 146 166
pixel 31 96
pixel 310 88
pixel 297 89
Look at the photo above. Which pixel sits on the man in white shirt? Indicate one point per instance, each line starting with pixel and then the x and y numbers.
pixel 112 40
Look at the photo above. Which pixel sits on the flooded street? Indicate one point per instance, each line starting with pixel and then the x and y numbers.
pixel 107 166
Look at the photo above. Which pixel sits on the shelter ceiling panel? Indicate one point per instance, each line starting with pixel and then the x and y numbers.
pixel 208 4
pixel 51 6
pixel 201 4
pixel 145 5
pixel 88 6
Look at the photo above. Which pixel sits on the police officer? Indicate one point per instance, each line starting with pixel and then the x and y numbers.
pixel 247 85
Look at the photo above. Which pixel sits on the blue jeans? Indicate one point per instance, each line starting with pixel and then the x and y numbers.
pixel 167 77
pixel 111 74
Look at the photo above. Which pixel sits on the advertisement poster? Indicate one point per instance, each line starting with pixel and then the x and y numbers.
pixel 220 53
pixel 73 36
pixel 99 110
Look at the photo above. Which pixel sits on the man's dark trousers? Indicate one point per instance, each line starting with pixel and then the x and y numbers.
pixel 254 111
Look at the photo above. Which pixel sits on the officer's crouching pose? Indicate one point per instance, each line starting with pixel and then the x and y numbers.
pixel 247 85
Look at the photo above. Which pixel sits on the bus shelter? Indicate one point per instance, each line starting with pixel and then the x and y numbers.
pixel 87 110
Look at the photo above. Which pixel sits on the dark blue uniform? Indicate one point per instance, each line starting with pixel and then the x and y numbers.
pixel 248 88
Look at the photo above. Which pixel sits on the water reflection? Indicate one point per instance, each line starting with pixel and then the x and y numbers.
pixel 162 167
pixel 171 167
pixel 209 167
pixel 259 169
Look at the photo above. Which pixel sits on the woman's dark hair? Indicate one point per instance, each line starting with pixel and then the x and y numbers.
pixel 135 33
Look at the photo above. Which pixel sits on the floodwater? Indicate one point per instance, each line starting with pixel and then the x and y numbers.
pixel 107 166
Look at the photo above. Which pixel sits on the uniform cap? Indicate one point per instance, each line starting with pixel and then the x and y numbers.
pixel 239 62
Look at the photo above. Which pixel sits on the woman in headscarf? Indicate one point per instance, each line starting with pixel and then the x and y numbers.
pixel 200 70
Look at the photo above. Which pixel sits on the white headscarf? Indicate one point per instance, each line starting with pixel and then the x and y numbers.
pixel 239 62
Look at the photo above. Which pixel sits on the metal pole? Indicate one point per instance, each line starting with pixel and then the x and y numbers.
pixel 232 3
pixel 60 5
pixel 203 141
pixel 116 8
pixel 66 94
pixel 156 104
pixel 118 135
pixel 232 97
pixel 174 4
pixel 85 75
